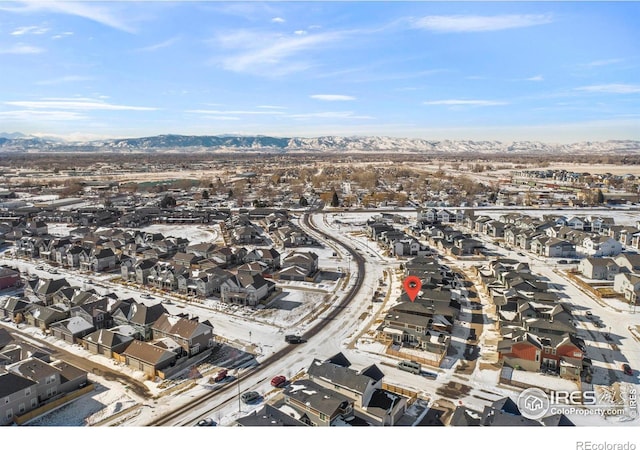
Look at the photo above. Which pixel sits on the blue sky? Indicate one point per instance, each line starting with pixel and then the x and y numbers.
pixel 549 71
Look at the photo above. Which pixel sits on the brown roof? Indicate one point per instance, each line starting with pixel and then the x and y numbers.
pixel 148 353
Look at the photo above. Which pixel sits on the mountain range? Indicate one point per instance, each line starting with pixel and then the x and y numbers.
pixel 17 142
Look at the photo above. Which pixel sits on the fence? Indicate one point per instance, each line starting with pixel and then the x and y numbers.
pixel 434 362
pixel 19 420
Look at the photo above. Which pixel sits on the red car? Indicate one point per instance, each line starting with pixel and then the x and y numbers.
pixel 626 368
pixel 220 375
pixel 278 381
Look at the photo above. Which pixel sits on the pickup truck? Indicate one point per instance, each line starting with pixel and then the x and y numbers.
pixel 221 375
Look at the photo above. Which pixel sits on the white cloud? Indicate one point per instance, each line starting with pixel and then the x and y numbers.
pixel 97 12
pixel 463 24
pixel 332 97
pixel 51 115
pixel 603 62
pixel 271 107
pixel 278 20
pixel 535 78
pixel 62 35
pixel 299 32
pixel 65 79
pixel 29 30
pixel 21 49
pixel 238 112
pixel 455 102
pixel 76 104
pixel 158 46
pixel 611 88
pixel 271 54
pixel 329 115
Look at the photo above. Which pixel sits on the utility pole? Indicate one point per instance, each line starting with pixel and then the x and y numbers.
pixel 239 405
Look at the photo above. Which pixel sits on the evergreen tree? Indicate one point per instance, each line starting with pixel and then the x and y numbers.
pixel 335 201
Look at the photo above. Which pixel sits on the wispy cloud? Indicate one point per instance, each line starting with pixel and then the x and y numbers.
pixel 160 45
pixel 20 49
pixel 76 104
pixel 464 24
pixel 62 35
pixel 29 30
pixel 272 54
pixel 332 97
pixel 611 88
pixel 603 62
pixel 234 112
pixel 330 115
pixel 271 107
pixel 456 102
pixel 97 12
pixel 535 78
pixel 49 116
pixel 278 20
pixel 61 80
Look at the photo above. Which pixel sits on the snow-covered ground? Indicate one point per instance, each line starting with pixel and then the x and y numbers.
pixel 195 233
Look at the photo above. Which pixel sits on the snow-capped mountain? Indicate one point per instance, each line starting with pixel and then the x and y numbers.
pixel 328 144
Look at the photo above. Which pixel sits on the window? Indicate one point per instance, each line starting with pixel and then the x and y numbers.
pixel 537 356
pixel 553 351
pixel 577 354
pixel 323 417
pixel 34 402
pixel 21 408
pixel 9 413
pixel 27 392
pixel 6 400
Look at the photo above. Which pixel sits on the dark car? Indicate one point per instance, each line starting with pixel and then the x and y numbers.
pixel 626 368
pixel 278 381
pixel 293 339
pixel 208 422
pixel 250 396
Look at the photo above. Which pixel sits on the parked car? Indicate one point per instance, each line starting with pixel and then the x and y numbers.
pixel 626 368
pixel 293 339
pixel 589 314
pixel 563 261
pixel 410 366
pixel 221 375
pixel 208 422
pixel 249 397
pixel 278 381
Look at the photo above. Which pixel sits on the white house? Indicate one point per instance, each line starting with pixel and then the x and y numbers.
pixel 601 246
pixel 627 284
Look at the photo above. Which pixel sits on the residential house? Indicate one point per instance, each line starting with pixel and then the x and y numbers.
pixel 148 358
pixel 601 246
pixel 305 260
pixel 317 405
pixel 18 395
pixel 598 268
pixel 193 336
pixel 73 329
pixel 336 374
pixel 245 289
pixel 627 284
pixel 106 342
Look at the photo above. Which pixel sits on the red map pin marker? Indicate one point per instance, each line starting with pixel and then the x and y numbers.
pixel 412 286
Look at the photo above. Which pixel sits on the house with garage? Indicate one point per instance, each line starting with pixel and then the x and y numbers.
pixel 147 358
pixel 106 342
pixel 193 336
pixel 598 268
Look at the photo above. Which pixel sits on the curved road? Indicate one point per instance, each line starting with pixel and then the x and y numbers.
pixel 332 314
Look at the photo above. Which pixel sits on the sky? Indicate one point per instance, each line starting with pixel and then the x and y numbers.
pixel 548 71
